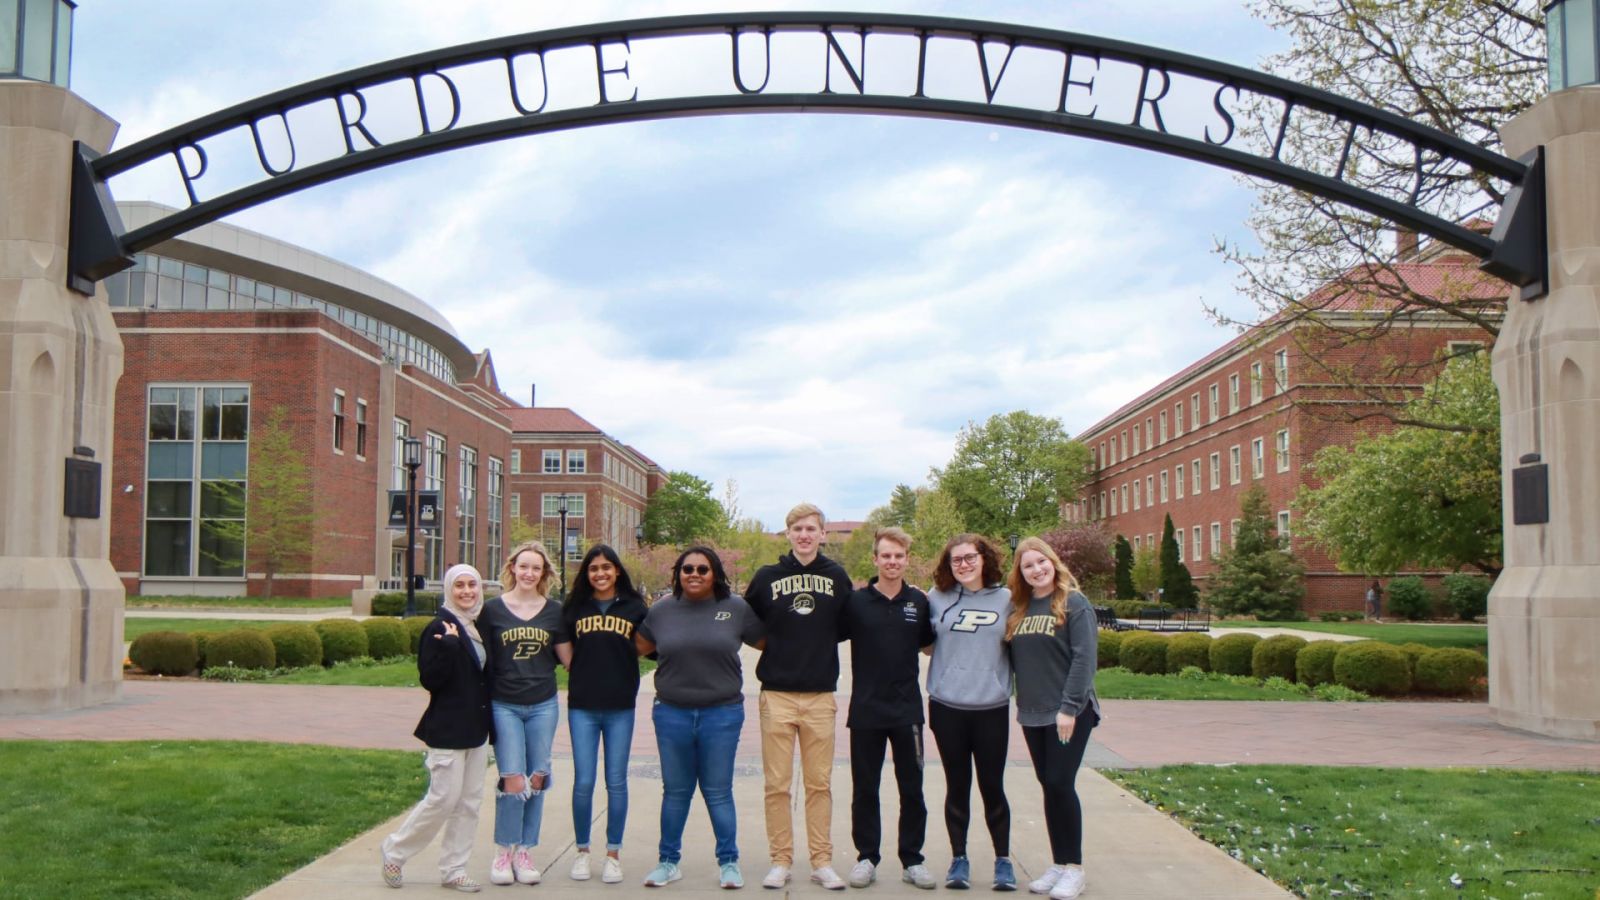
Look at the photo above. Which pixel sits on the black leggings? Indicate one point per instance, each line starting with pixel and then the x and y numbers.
pixel 1056 766
pixel 866 771
pixel 971 739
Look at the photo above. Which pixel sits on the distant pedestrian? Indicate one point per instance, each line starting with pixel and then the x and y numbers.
pixel 887 622
pixel 969 699
pixel 699 709
pixel 601 617
pixel 1375 602
pixel 1052 638
pixel 455 726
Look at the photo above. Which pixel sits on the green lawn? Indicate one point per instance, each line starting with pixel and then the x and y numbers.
pixel 1366 832
pixel 388 673
pixel 185 819
pixel 238 603
pixel 1120 684
pixel 132 626
pixel 1469 636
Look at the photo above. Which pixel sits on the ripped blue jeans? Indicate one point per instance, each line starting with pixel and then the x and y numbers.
pixel 522 737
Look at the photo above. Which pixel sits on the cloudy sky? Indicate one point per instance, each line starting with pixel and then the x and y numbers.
pixel 810 305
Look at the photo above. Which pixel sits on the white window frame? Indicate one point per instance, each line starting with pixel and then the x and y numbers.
pixel 516 461
pixel 1282 450
pixel 1233 393
pixel 1280 370
pixel 1258 458
pixel 1136 498
pixel 550 505
pixel 1164 486
pixel 1196 485
pixel 361 429
pixel 338 421
pixel 515 508
pixel 1216 471
pixel 1194 411
pixel 1235 464
pixel 1177 481
pixel 1256 387
pixel 548 457
pixel 1216 402
pixel 577 462
pixel 1216 539
pixel 1136 444
pixel 1199 544
pixel 1283 526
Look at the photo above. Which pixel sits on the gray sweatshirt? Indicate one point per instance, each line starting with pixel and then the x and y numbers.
pixel 1055 664
pixel 970 668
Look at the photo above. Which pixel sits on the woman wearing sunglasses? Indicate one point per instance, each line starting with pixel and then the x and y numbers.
pixel 969 698
pixel 699 709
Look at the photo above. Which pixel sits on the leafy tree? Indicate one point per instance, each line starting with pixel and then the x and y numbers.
pixel 855 554
pixel 277 528
pixel 1011 474
pixel 1462 66
pixel 1177 587
pixel 902 508
pixel 1085 549
pixel 937 520
pixel 1146 572
pixel 1424 497
pixel 683 511
pixel 746 547
pixel 1123 573
pixel 1257 575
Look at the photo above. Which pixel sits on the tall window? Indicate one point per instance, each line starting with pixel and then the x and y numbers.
pixel 1163 426
pixel 497 490
pixel 1136 439
pixel 1280 371
pixel 1194 472
pixel 361 428
pixel 516 462
pixel 1113 448
pixel 1233 532
pixel 1124 498
pixel 467 507
pixel 1194 411
pixel 1103 509
pixel 338 421
pixel 1216 538
pixel 577 462
pixel 1234 464
pixel 1283 526
pixel 1138 542
pixel 1149 432
pixel 1150 490
pixel 515 507
pixel 402 430
pixel 1136 493
pixel 1283 450
pixel 1216 404
pixel 1199 550
pixel 1233 393
pixel 195 481
pixel 1258 457
pixel 1177 538
pixel 552 462
pixel 1216 471
pixel 1255 382
pixel 1177 481
pixel 434 459
pixel 1104 459
pixel 1163 485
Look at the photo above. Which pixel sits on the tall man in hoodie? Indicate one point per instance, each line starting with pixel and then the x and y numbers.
pixel 800 598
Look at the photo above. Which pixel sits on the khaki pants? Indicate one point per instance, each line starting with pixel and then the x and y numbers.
pixel 455 792
pixel 809 719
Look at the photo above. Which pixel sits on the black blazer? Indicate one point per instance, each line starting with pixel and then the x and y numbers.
pixel 458 716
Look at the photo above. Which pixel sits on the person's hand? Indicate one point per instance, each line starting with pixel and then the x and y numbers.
pixel 1064 726
pixel 450 629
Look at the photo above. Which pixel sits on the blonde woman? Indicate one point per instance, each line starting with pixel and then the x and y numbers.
pixel 1051 635
pixel 522 629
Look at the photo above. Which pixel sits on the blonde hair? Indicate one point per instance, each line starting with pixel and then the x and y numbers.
pixel 1022 592
pixel 508 577
pixel 800 512
pixel 894 534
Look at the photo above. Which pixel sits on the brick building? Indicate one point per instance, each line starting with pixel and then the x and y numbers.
pixel 223 329
pixel 1256 410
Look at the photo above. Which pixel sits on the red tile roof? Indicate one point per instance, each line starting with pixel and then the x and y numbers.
pixel 554 419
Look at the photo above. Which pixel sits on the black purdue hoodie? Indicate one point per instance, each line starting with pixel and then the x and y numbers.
pixel 802 608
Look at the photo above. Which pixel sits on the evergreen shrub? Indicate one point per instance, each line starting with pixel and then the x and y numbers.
pixel 1409 598
pixel 1189 650
pixel 297 645
pixel 1467 595
pixel 386 638
pixel 242 648
pixel 1274 657
pixel 1230 654
pixel 1313 665
pixel 1450 670
pixel 342 639
pixel 200 638
pixel 165 653
pixel 1413 652
pixel 417 624
pixel 1110 649
pixel 1372 667
pixel 1144 653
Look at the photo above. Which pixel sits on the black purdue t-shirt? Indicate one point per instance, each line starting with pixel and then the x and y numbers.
pixel 605 665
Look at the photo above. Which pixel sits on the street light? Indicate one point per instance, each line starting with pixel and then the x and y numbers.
pixel 563 551
pixel 1014 538
pixel 413 461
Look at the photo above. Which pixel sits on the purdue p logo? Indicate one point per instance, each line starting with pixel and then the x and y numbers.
pixel 973 619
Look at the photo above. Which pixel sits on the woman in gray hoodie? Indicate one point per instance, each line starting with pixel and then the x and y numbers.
pixel 969 698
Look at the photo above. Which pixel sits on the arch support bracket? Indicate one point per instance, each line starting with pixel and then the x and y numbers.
pixel 94 249
pixel 1521 250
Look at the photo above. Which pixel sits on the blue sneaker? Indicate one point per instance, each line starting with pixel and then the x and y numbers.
pixel 1005 877
pixel 663 874
pixel 959 878
pixel 730 878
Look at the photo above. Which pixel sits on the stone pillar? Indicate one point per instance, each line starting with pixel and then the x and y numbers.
pixel 60 358
pixel 1544 613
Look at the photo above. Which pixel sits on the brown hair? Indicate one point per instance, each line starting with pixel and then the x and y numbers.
pixel 508 578
pixel 894 534
pixel 944 578
pixel 1022 591
pixel 800 512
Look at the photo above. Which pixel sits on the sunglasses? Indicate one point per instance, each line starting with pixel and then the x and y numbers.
pixel 701 569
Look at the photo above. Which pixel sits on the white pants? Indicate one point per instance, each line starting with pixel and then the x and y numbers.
pixel 455 792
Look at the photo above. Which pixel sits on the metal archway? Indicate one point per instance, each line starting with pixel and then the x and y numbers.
pixel 808 62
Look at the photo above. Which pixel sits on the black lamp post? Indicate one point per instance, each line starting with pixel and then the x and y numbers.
pixel 412 449
pixel 1014 538
pixel 563 551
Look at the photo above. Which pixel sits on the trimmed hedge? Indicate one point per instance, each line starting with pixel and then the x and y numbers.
pixel 414 627
pixel 1110 649
pixel 1189 650
pixel 1467 595
pixel 243 648
pixel 165 653
pixel 342 639
pixel 393 603
pixel 1410 598
pixel 200 638
pixel 1372 667
pixel 1274 657
pixel 1450 670
pixel 297 645
pixel 1230 654
pixel 386 638
pixel 1413 652
pixel 1144 653
pixel 1313 665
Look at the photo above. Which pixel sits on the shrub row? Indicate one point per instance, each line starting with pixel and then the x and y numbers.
pixel 1372 667
pixel 287 646
pixel 1465 595
pixel 393 603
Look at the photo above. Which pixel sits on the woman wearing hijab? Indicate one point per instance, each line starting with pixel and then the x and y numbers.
pixel 455 726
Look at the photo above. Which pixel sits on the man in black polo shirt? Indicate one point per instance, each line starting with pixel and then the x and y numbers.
pixel 887 623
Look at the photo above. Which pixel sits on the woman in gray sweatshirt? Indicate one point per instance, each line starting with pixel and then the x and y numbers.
pixel 1051 633
pixel 969 695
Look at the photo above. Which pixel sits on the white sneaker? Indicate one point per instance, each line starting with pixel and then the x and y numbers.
pixel 1069 885
pixel 828 878
pixel 500 869
pixel 611 870
pixel 1045 882
pixel 777 877
pixel 522 865
pixel 863 874
pixel 580 866
pixel 920 876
